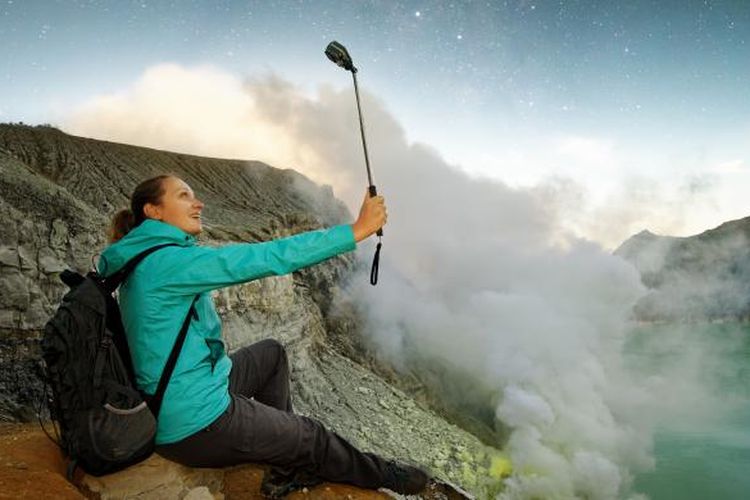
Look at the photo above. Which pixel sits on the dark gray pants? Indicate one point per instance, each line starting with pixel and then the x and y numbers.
pixel 264 429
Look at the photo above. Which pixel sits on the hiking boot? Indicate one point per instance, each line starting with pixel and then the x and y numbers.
pixel 404 479
pixel 278 482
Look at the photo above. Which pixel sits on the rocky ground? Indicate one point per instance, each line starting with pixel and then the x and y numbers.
pixel 32 467
pixel 57 193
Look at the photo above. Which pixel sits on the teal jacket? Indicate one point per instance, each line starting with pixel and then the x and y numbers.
pixel 155 299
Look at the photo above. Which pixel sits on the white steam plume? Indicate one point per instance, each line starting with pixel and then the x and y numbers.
pixel 475 274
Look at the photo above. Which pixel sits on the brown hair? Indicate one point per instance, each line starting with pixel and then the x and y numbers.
pixel 149 191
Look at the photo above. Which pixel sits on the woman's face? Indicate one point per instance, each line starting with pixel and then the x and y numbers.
pixel 178 206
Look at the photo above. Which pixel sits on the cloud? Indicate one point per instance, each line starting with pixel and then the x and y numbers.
pixel 586 149
pixel 737 165
pixel 206 111
pixel 202 111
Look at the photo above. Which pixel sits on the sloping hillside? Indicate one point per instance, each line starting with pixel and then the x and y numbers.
pixel 706 276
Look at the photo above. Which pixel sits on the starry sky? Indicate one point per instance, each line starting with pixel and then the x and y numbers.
pixel 641 101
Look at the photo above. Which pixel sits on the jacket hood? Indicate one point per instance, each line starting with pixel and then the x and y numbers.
pixel 148 234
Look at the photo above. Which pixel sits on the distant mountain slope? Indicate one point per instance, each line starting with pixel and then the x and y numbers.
pixel 238 193
pixel 706 276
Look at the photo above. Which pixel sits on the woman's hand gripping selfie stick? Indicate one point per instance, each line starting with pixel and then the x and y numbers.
pixel 339 55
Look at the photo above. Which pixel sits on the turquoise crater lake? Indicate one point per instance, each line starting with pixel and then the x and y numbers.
pixel 702 451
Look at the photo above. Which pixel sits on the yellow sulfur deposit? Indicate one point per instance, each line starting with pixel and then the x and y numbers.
pixel 500 466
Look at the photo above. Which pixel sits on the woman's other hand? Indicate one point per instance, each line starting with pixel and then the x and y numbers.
pixel 372 216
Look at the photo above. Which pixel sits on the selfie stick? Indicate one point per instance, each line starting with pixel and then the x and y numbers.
pixel 339 55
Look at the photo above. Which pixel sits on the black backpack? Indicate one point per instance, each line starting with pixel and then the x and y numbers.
pixel 105 423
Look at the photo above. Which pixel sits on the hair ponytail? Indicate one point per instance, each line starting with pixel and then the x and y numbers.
pixel 122 223
pixel 149 191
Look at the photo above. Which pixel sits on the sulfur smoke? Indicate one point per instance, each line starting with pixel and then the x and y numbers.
pixel 480 277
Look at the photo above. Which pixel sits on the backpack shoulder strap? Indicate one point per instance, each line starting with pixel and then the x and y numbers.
pixel 115 280
pixel 154 403
pixel 111 283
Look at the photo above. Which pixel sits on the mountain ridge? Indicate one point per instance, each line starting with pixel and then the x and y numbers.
pixel 693 278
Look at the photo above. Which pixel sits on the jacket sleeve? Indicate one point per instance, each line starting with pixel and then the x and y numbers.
pixel 196 269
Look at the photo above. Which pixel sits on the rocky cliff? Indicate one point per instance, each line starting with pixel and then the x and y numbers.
pixel 57 193
pixel 706 276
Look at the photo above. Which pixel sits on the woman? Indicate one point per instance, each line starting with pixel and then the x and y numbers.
pixel 208 418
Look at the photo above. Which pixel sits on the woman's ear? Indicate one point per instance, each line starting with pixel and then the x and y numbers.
pixel 152 211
